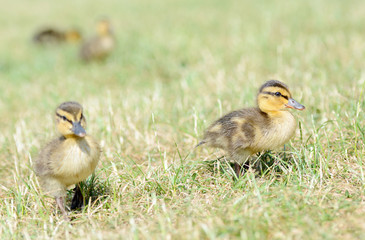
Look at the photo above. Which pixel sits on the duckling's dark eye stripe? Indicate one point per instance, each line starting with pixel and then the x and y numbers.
pixel 64 118
pixel 273 94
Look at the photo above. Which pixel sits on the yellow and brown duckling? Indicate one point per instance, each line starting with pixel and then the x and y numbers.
pixel 245 132
pixel 100 46
pixel 68 159
pixel 53 36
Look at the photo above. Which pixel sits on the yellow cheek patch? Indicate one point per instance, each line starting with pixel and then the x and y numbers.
pixel 65 125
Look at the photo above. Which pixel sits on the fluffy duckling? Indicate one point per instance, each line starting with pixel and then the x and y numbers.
pixel 68 159
pixel 99 46
pixel 52 35
pixel 245 132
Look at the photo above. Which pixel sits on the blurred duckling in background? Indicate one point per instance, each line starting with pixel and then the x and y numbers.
pixel 245 132
pixel 68 159
pixel 100 46
pixel 54 36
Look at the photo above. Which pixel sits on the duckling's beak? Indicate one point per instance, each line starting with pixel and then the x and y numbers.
pixel 294 104
pixel 78 130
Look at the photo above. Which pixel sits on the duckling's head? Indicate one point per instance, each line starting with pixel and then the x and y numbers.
pixel 275 96
pixel 104 28
pixel 70 120
pixel 73 35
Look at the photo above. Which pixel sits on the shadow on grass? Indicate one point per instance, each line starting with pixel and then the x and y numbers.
pixel 91 191
pixel 263 164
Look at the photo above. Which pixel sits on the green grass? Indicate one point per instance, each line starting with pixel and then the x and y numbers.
pixel 178 66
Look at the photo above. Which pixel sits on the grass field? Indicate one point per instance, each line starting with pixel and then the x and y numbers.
pixel 177 67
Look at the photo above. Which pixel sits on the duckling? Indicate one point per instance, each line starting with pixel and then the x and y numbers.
pixel 245 132
pixel 69 158
pixel 53 35
pixel 100 46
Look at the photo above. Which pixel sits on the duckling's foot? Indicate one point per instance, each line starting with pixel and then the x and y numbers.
pixel 241 169
pixel 78 199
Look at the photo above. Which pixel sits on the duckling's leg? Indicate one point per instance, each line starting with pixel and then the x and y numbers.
pixel 241 169
pixel 78 199
pixel 241 162
pixel 237 169
pixel 61 204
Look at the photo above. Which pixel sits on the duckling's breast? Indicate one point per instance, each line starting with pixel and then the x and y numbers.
pixel 276 134
pixel 107 43
pixel 77 160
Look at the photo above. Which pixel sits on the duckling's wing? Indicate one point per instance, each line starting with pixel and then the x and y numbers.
pixel 42 163
pixel 226 132
pixel 237 130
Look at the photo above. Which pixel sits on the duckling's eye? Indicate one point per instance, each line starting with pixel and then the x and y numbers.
pixel 278 94
pixel 63 118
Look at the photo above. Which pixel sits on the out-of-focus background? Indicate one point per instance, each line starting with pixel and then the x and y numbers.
pixel 176 67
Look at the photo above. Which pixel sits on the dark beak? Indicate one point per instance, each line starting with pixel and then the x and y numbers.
pixel 78 130
pixel 294 104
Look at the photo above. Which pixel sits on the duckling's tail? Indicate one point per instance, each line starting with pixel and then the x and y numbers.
pixel 201 143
